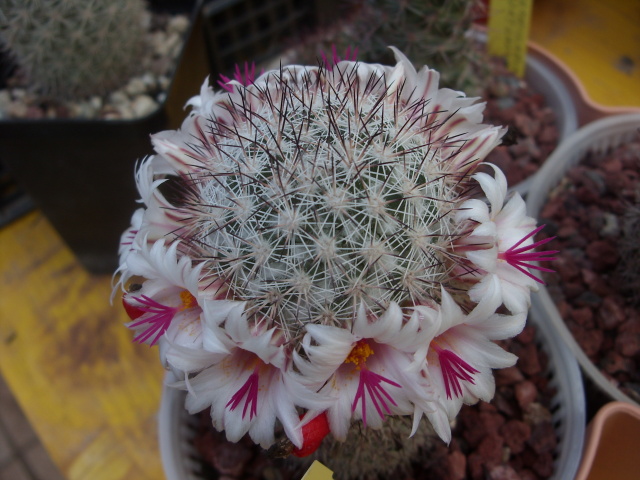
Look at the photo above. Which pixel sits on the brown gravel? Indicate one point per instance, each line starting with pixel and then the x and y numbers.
pixel 596 289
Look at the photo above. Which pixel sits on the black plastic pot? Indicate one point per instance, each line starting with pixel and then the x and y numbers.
pixel 80 173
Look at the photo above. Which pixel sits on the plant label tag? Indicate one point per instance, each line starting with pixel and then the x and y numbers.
pixel 508 31
pixel 318 471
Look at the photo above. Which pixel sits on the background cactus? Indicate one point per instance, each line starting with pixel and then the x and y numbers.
pixel 430 32
pixel 74 48
pixel 629 267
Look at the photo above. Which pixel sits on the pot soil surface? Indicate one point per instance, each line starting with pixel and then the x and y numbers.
pixel 595 215
pixel 511 438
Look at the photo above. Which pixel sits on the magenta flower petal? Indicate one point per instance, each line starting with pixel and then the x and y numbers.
pixel 248 391
pixel 329 63
pixel 370 383
pixel 454 370
pixel 244 78
pixel 157 322
pixel 521 258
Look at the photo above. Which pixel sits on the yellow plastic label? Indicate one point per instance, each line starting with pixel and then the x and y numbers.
pixel 318 471
pixel 509 31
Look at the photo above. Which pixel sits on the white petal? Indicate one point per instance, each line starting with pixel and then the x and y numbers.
pixel 473 209
pixel 493 189
pixel 217 311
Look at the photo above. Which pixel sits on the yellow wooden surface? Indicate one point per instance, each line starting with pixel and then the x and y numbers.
pixel 91 395
pixel 598 40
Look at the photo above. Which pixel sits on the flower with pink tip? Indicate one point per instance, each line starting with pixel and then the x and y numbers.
pixel 504 248
pixel 460 353
pixel 248 385
pixel 349 54
pixel 166 307
pixel 240 77
pixel 366 370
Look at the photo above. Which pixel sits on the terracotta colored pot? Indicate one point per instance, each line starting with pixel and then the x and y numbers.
pixel 611 450
pixel 586 109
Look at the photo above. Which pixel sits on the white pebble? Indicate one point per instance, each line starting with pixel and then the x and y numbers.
pixel 178 24
pixel 164 82
pixel 143 105
pixel 18 93
pixel 118 98
pixel 5 100
pixel 149 81
pixel 136 86
pixel 125 112
pixel 96 103
pixel 17 110
pixel 82 110
pixel 169 44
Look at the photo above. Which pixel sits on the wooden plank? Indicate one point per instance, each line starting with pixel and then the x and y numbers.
pixel 91 395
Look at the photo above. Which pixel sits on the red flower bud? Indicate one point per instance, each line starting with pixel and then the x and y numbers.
pixel 312 435
pixel 133 311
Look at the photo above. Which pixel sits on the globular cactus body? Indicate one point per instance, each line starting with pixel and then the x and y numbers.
pixel 74 48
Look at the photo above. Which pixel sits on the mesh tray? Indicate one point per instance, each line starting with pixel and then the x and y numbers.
pixel 177 428
pixel 239 31
pixel 598 137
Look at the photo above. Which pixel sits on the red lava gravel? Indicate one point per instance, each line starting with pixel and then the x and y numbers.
pixel 511 438
pixel 595 215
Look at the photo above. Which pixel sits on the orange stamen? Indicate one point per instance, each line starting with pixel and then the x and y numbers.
pixel 188 300
pixel 359 354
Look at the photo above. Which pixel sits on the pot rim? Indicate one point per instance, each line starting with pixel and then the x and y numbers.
pixel 595 431
pixel 545 75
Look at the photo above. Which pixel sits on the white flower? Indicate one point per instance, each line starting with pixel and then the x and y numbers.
pixel 461 354
pixel 508 232
pixel 445 126
pixel 248 385
pixel 365 370
pixel 166 308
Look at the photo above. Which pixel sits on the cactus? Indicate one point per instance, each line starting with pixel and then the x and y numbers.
pixel 432 32
pixel 74 48
pixel 629 266
pixel 310 246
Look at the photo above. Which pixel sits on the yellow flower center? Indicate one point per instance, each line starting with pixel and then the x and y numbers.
pixel 188 300
pixel 359 354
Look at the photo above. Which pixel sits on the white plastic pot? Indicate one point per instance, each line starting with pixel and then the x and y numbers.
pixel 543 80
pixel 598 137
pixel 177 428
